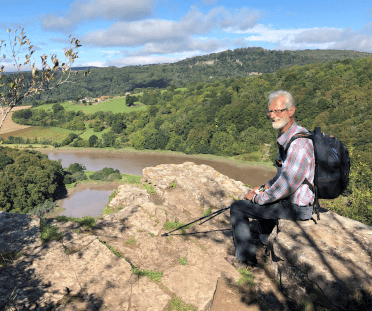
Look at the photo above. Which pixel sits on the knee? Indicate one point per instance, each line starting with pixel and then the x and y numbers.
pixel 237 207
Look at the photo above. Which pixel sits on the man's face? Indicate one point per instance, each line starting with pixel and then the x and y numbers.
pixel 280 120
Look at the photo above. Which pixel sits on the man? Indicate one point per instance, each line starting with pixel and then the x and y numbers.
pixel 285 196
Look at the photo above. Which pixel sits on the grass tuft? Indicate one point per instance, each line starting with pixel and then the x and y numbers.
pixel 48 232
pixel 207 212
pixel 247 277
pixel 149 188
pixel 169 225
pixel 132 240
pixel 153 275
pixel 176 304
pixel 113 250
pixel 183 261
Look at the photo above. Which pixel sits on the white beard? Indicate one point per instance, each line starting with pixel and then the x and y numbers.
pixel 280 123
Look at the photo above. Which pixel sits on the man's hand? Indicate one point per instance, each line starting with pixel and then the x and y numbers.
pixel 250 195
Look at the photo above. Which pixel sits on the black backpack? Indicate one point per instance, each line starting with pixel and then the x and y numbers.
pixel 332 165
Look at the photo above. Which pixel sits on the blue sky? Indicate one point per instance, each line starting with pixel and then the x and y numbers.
pixel 126 32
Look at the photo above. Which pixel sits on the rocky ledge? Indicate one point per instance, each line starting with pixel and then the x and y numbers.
pixel 124 262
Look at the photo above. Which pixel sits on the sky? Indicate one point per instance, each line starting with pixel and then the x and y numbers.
pixel 141 32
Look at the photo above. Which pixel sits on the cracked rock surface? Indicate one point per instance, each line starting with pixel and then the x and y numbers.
pixel 93 269
pixel 330 259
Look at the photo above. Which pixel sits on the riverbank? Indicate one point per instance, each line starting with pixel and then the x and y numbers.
pixel 267 166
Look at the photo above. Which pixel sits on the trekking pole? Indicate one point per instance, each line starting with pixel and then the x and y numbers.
pixel 210 216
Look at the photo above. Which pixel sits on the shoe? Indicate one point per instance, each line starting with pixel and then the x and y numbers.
pixel 241 264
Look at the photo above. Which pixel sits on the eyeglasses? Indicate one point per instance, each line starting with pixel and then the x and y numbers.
pixel 277 112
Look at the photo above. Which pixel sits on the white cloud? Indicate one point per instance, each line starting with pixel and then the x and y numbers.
pixel 140 60
pixel 322 35
pixel 117 10
pixel 312 38
pixel 95 64
pixel 155 31
pixel 185 45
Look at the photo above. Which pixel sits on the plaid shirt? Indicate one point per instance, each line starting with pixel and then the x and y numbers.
pixel 298 165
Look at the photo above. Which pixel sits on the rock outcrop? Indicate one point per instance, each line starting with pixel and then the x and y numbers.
pixel 124 262
pixel 329 260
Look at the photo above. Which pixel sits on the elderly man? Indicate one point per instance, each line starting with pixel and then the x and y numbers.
pixel 286 196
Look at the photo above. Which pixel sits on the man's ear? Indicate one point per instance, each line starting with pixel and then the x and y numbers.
pixel 292 111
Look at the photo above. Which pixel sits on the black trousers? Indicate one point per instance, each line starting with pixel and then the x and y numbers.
pixel 241 211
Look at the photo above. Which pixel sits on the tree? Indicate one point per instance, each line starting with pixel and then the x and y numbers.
pixel 92 140
pixel 118 126
pixel 57 107
pixel 76 167
pixel 129 100
pixel 17 86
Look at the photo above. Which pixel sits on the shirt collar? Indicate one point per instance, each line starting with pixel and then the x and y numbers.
pixel 284 138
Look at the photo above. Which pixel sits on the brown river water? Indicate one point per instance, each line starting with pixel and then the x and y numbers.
pixel 90 200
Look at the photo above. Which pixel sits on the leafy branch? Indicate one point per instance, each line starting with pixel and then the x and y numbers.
pixel 17 87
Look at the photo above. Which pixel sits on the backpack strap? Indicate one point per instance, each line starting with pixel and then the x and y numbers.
pixel 283 154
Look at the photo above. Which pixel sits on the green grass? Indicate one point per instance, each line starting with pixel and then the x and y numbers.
pixel 113 250
pixel 169 225
pixel 131 179
pixel 176 304
pixel 153 275
pixel 207 212
pixel 48 232
pixel 149 188
pixel 115 105
pixel 247 277
pixel 132 240
pixel 173 185
pixel 49 132
pixel 87 221
pixel 183 261
pixel 89 132
pixel 7 258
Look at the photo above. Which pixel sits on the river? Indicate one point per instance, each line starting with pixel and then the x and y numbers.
pixel 79 204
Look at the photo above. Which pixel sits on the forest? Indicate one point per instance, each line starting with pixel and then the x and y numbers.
pixel 228 117
pixel 237 63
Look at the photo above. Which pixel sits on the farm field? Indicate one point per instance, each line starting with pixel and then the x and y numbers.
pixel 40 132
pixel 9 125
pixel 89 132
pixel 115 105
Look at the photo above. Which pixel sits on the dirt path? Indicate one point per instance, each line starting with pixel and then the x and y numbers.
pixel 9 125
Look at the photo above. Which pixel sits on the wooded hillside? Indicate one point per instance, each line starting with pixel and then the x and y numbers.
pixel 217 66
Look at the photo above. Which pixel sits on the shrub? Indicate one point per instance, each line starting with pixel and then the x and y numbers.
pixel 79 176
pixel 114 176
pixel 69 179
pixel 48 232
pixel 76 167
pixel 104 174
pixel 5 160
pixel 43 209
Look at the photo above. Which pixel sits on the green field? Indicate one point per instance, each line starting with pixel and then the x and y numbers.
pixel 115 105
pixel 89 132
pixel 48 132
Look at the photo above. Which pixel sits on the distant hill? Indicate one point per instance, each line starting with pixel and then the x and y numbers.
pixel 208 68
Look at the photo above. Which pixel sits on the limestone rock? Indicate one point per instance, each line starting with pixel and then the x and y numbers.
pixel 331 260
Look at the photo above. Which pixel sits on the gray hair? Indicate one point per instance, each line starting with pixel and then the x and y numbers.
pixel 289 101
